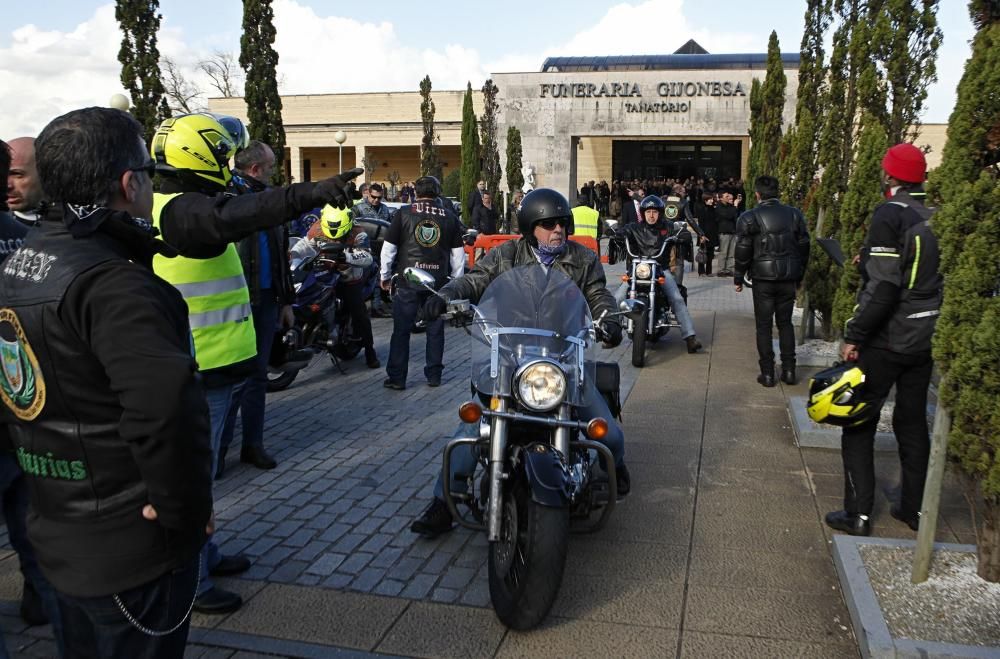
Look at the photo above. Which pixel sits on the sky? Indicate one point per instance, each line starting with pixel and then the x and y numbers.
pixel 57 55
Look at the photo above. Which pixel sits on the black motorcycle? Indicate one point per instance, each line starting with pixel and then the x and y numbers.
pixel 322 322
pixel 538 465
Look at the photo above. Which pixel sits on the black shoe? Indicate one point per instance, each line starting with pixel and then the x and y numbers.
pixel 849 523
pixel 913 521
pixel 434 383
pixel 258 457
pixel 371 359
pixel 230 565
pixel 389 383
pixel 434 521
pixel 624 481
pixel 766 379
pixel 32 611
pixel 788 374
pixel 216 601
pixel 694 345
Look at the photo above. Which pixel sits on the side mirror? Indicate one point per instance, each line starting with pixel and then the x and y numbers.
pixel 419 277
pixel 633 308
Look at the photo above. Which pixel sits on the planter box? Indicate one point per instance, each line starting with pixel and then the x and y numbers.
pixel 874 629
pixel 810 434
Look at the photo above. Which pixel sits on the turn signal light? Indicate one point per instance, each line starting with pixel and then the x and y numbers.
pixel 597 428
pixel 470 412
pixel 625 277
pixel 661 280
pixel 315 308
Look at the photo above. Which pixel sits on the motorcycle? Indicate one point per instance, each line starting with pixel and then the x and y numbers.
pixel 322 323
pixel 538 467
pixel 644 282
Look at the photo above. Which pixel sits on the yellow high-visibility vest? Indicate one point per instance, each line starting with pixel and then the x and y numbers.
pixel 218 301
pixel 586 221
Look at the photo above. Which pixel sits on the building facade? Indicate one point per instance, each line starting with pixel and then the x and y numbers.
pixel 580 118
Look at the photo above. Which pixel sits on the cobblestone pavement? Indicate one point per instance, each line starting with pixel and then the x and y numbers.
pixel 328 529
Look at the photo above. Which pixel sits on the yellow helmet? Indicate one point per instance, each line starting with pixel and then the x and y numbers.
pixel 194 143
pixel 335 222
pixel 835 396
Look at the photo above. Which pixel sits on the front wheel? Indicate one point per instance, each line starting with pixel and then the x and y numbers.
pixel 280 380
pixel 639 341
pixel 526 563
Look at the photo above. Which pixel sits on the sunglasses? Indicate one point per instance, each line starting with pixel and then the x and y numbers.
pixel 550 224
pixel 149 167
pixel 375 197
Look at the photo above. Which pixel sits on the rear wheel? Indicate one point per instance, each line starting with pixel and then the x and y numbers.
pixel 526 563
pixel 280 380
pixel 639 340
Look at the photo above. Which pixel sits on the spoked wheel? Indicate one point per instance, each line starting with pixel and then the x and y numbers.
pixel 639 340
pixel 280 380
pixel 526 563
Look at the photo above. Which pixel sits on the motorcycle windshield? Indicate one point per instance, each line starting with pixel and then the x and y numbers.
pixel 530 313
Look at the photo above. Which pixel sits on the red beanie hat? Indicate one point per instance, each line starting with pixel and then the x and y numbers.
pixel 905 162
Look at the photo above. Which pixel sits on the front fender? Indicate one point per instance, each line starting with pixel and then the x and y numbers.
pixel 547 474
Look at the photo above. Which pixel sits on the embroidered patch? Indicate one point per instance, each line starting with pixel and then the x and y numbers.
pixel 22 386
pixel 427 234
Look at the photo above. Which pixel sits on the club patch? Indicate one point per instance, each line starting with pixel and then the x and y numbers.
pixel 22 386
pixel 427 234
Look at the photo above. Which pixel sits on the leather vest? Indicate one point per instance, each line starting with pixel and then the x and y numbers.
pixel 427 234
pixel 775 229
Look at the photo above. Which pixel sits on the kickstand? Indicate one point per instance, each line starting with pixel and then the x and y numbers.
pixel 336 362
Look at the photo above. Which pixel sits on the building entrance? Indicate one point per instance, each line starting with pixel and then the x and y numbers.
pixel 652 159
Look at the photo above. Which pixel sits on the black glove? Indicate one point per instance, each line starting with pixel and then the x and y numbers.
pixel 338 190
pixel 434 307
pixel 612 334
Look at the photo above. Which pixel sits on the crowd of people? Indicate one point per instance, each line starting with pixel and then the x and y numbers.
pixel 137 324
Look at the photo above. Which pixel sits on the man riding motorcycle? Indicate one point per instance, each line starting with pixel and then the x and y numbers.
pixel 545 221
pixel 646 238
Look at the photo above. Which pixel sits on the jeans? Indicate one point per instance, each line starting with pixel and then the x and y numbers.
pixel 463 458
pixel 673 293
pixel 353 298
pixel 222 401
pixel 727 251
pixel 15 510
pixel 774 300
pixel 250 404
pixel 96 627
pixel 912 376
pixel 405 306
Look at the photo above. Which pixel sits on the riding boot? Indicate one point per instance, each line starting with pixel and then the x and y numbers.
pixel 766 377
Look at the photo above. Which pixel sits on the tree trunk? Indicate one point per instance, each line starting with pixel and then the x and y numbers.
pixel 988 547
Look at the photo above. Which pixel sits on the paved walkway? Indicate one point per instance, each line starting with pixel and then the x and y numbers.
pixel 719 551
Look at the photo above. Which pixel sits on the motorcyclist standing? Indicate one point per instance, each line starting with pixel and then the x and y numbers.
pixel 646 238
pixel 337 226
pixel 545 221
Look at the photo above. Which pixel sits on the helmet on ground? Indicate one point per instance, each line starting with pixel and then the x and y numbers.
pixel 652 201
pixel 835 396
pixel 335 222
pixel 194 144
pixel 905 162
pixel 543 204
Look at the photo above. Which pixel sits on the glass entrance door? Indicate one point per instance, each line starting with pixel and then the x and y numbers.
pixel 653 159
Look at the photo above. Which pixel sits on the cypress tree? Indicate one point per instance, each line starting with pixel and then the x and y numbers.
pixel 260 61
pixel 470 153
pixel 488 129
pixel 430 161
pixel 756 141
pixel 139 21
pixel 799 167
pixel 515 179
pixel 864 192
pixel 967 339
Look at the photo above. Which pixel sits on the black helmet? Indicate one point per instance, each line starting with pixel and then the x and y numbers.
pixel 543 204
pixel 427 186
pixel 652 201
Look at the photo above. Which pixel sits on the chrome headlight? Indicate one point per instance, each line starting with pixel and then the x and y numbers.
pixel 643 271
pixel 541 385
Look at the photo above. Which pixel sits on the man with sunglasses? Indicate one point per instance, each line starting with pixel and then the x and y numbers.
pixel 371 207
pixel 545 222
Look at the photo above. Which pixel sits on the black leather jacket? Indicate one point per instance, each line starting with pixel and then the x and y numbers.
pixel 645 239
pixel 772 243
pixel 578 263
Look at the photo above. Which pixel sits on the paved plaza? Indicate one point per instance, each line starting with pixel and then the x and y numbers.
pixel 720 551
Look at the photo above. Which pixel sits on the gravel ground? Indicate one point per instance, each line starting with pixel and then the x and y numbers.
pixel 953 606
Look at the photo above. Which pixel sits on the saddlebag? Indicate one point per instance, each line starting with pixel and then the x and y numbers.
pixel 609 384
